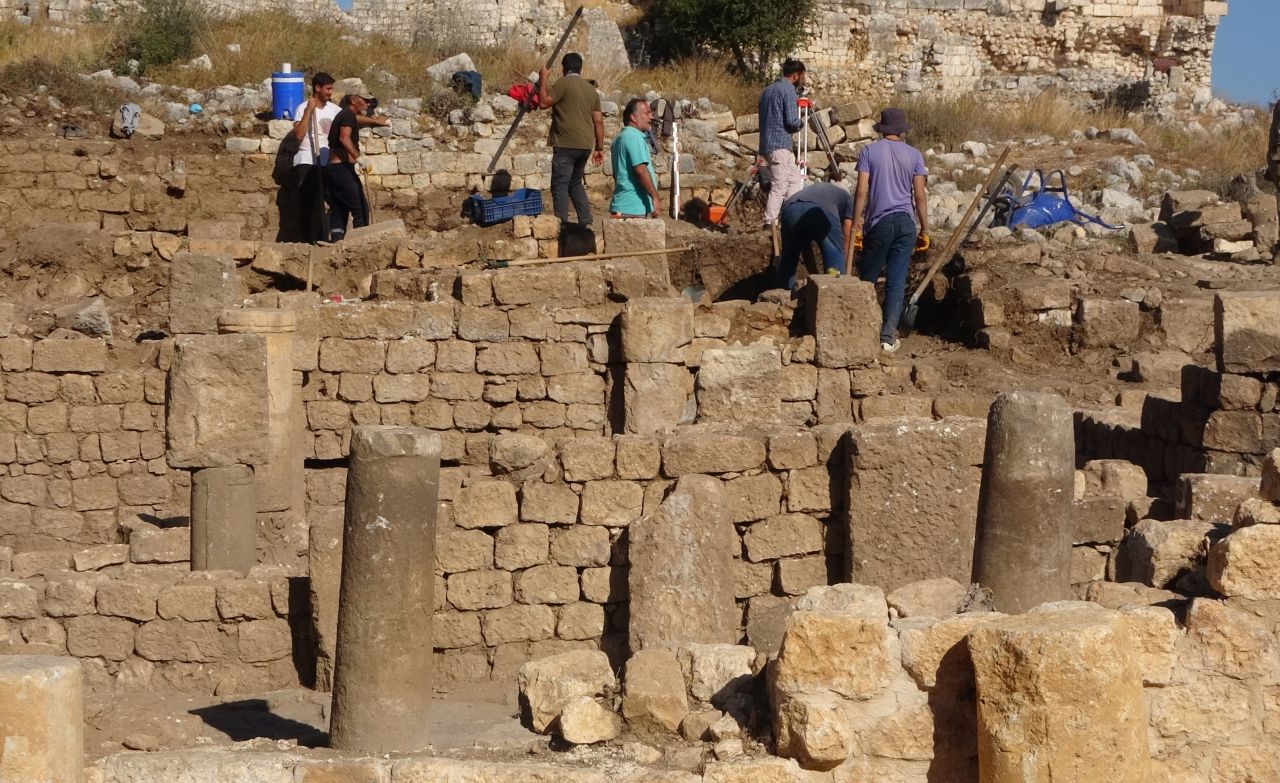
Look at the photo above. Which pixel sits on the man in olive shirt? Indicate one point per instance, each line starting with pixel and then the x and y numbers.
pixel 577 133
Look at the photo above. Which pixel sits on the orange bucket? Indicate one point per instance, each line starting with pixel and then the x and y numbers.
pixel 716 214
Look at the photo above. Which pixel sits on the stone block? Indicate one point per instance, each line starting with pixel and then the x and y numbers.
pixel 547 584
pixel 586 721
pixel 1152 238
pixel 1108 322
pixel 1188 323
pixel 611 503
pixel 1247 332
pixel 167 545
pixel 101 557
pixel 191 602
pixel 41 719
pixel 217 409
pixel 656 329
pixel 175 640
pixel 581 620
pixel 550 503
pixel 135 600
pixel 485 503
pixel 1244 564
pixel 681 580
pixel 656 397
pixel 754 497
pixel 783 535
pixel 521 546
pixel 638 457
pixel 200 288
pixel 518 623
pixel 1209 497
pixel 463 550
pixel 244 599
pixel 654 691
pixel 740 384
pixel 928 598
pixel 636 234
pixel 548 684
pixel 706 451
pixel 74 355
pixel 95 636
pixel 587 458
pixel 481 589
pixel 837 640
pixel 717 674
pixel 581 546
pixel 913 499
pixel 844 317
pixel 1159 552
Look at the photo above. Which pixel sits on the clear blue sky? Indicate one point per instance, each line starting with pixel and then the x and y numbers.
pixel 1244 57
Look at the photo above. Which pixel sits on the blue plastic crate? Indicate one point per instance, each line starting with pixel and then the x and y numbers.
pixel 523 201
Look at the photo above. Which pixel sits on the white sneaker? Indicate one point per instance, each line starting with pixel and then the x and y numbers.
pixel 891 347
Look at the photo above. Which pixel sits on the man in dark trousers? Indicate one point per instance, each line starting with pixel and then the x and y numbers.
pixel 315 118
pixel 577 133
pixel 821 213
pixel 892 202
pixel 341 180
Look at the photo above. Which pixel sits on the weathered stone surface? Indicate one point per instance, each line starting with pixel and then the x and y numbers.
pixel 783 535
pixel 548 684
pixel 1228 641
pixel 837 640
pixel 585 721
pixel 936 650
pixel 1270 488
pixel 1246 564
pixel 814 729
pixel 1247 331
pixel 717 674
pixel 1105 321
pixel 1209 497
pixel 485 503
pixel 654 691
pixel 655 397
pixel 762 770
pixel 41 719
pixel 656 330
pixel 928 598
pixel 844 317
pixel 740 384
pixel 217 407
pixel 1059 697
pixel 200 288
pixel 913 499
pixel 681 577
pixel 1160 552
pixel 696 451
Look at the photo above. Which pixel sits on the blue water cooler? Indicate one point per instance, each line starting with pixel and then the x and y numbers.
pixel 286 93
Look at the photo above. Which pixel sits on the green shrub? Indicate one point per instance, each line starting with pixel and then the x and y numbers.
pixel 160 32
pixel 755 33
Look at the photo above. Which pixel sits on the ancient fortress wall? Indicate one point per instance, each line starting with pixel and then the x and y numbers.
pixel 1005 48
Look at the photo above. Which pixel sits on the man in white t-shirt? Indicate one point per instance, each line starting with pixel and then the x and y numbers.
pixel 315 116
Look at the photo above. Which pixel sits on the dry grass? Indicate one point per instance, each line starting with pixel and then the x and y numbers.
pixel 84 49
pixel 693 77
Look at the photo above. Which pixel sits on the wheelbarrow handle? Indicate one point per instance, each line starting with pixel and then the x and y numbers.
pixel 954 240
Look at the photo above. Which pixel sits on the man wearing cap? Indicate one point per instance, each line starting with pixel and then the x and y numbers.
pixel 892 204
pixel 341 180
pixel 315 117
pixel 577 133
pixel 779 118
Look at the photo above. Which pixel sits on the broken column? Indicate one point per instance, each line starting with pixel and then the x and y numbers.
pixel 280 480
pixel 41 719
pixel 382 668
pixel 224 523
pixel 681 579
pixel 1023 549
pixel 1059 698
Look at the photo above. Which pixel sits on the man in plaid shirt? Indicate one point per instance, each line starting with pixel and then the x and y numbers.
pixel 779 118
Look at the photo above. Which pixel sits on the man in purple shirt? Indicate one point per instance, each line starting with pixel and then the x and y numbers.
pixel 892 203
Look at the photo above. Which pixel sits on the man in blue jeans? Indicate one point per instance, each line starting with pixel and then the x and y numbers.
pixel 821 213
pixel 892 203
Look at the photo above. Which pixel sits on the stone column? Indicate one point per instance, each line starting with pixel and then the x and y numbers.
pixel 224 522
pixel 1023 549
pixel 382 668
pixel 41 719
pixel 1059 699
pixel 280 480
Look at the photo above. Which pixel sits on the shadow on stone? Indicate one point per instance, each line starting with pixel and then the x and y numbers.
pixel 252 718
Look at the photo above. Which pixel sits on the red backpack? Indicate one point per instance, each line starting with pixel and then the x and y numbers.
pixel 525 93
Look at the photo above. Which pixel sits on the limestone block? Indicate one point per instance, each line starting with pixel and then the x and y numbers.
pixel 548 684
pixel 717 674
pixel 814 729
pixel 656 329
pixel 654 691
pixel 740 384
pixel 580 620
pixel 71 595
pixel 655 397
pixel 1246 564
pixel 612 503
pixel 936 650
pixel 913 499
pixel 481 589
pixel 518 623
pixel 200 288
pixel 587 458
pixel 217 411
pixel 756 770
pixel 1228 641
pixel 634 234
pixel 486 503
pixel 466 550
pixel 1059 697
pixel 585 721
pixel 638 457
pixel 844 317
pixel 581 546
pixel 75 355
pixel 1247 332
pixel 783 535
pixel 1209 497
pixel 848 652
pixel 1159 552
pixel 681 577
pixel 550 503
pixel 698 451
pixel 1256 511
pixel 1104 321
pixel 41 719
pixel 1270 489
pixel 928 598
pixel 174 640
pixel 547 584
pixel 1152 238
pixel 1153 635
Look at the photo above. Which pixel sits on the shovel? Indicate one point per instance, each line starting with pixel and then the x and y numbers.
pixel 988 192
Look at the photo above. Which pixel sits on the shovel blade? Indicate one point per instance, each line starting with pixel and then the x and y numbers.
pixel 908 320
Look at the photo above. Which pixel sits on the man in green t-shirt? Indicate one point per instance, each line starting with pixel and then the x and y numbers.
pixel 577 133
pixel 635 189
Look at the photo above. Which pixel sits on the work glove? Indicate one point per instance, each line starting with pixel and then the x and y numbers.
pixel 857 241
pixel 922 243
